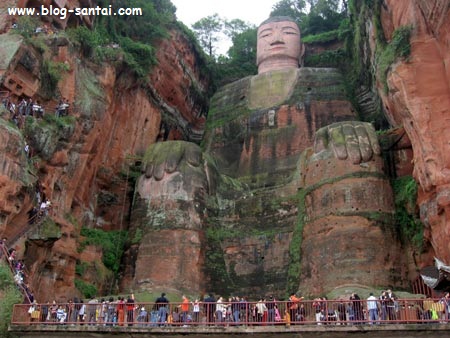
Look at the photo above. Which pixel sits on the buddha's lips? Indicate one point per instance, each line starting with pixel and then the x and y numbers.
pixel 277 47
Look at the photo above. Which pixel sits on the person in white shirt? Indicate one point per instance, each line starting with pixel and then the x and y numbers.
pixel 372 308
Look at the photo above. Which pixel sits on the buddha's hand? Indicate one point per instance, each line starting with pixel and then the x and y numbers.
pixel 350 140
pixel 169 157
pixel 178 170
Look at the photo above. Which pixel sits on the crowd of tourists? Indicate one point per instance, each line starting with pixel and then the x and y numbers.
pixel 19 109
pixel 218 311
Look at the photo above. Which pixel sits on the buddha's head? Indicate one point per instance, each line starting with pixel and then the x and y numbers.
pixel 278 44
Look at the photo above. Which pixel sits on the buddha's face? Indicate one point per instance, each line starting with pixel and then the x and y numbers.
pixel 278 46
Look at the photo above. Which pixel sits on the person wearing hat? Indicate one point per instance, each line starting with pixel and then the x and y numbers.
pixel 142 316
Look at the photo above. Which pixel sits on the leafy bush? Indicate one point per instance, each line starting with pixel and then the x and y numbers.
pixel 88 40
pixel 322 37
pixel 138 56
pixel 399 47
pixel 26 26
pixel 51 73
pixel 127 38
pixel 80 268
pixel 111 242
pixel 87 289
pixel 9 295
pixel 328 58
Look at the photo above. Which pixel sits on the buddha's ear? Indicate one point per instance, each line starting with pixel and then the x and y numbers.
pixel 302 54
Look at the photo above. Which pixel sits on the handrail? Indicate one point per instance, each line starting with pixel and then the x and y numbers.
pixel 22 289
pixel 8 94
pixel 38 217
pixel 306 312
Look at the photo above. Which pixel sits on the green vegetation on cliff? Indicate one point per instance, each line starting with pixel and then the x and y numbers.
pixel 9 295
pixel 362 70
pixel 49 134
pixel 51 73
pixel 111 242
pixel 128 39
pixel 87 289
pixel 48 229
pixel 387 54
pixel 407 219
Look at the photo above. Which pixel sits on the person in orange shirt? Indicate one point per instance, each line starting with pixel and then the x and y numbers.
pixel 184 309
pixel 293 305
pixel 121 311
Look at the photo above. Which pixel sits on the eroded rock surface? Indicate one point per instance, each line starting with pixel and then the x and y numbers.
pixel 419 100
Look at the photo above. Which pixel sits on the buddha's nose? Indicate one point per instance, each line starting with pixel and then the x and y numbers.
pixel 277 38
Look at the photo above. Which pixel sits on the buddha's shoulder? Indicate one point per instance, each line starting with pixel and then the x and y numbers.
pixel 232 94
pixel 328 75
pixel 241 85
pixel 321 84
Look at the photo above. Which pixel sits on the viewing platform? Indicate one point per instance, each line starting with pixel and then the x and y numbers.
pixel 410 318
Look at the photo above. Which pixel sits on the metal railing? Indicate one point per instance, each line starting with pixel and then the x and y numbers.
pixel 4 253
pixel 306 312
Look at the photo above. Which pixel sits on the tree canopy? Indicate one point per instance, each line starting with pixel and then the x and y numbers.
pixel 208 31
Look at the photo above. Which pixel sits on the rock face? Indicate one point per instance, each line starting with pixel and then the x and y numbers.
pixel 419 100
pixel 348 224
pixel 257 129
pixel 258 126
pixel 168 219
pixel 15 176
pixel 258 204
pixel 85 164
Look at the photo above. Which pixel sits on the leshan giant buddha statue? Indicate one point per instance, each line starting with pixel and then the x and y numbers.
pixel 286 187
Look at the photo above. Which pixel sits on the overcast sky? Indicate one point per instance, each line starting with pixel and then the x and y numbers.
pixel 251 11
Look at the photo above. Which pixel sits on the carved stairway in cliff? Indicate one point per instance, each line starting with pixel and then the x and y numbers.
pixel 33 223
pixel 10 263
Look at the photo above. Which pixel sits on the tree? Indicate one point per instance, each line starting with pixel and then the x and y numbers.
pixel 323 16
pixel 234 27
pixel 207 31
pixel 295 9
pixel 152 25
pixel 241 60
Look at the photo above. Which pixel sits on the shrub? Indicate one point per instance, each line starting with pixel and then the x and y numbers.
pixel 87 289
pixel 399 47
pixel 51 73
pixel 9 295
pixel 26 26
pixel 111 242
pixel 322 37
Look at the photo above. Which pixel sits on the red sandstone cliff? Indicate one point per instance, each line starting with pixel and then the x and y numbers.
pixel 84 169
pixel 85 176
pixel 419 100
